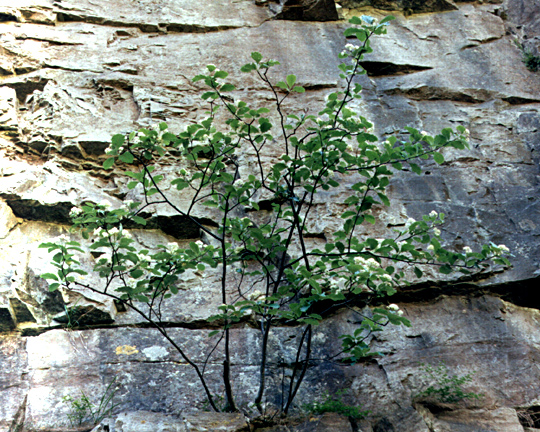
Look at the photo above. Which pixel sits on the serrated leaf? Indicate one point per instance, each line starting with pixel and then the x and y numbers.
pixel 257 56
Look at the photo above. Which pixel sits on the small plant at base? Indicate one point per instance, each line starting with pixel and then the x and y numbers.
pixel 444 386
pixel 531 61
pixel 79 409
pixel 83 411
pixel 335 404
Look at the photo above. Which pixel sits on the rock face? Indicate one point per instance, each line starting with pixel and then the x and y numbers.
pixel 73 73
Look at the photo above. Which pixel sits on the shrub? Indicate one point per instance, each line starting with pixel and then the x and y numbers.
pixel 272 273
pixel 444 386
pixel 335 404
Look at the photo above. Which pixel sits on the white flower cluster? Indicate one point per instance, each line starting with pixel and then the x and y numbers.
pixel 395 308
pixel 467 250
pixel 256 296
pixel 126 205
pixel 74 212
pixel 172 247
pixel 500 249
pixel 349 48
pixel 369 264
pixel 409 222
pixel 144 257
pixel 114 232
pixel 337 287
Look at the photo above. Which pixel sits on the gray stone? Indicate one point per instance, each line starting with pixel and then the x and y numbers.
pixel 495 420
pixel 328 422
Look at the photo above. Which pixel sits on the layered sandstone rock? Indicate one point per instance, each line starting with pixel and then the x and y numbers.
pixel 74 73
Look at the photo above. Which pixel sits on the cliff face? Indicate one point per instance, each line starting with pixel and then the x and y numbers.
pixel 73 73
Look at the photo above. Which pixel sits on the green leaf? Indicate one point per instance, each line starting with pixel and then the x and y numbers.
pixel 445 269
pixel 53 287
pixel 248 67
pixel 257 56
pixel 439 158
pixel 126 157
pixel 387 19
pixel 108 163
pixel 221 74
pixel 415 168
pixel 117 140
pixel 291 79
pixel 299 89
pixel 139 220
pixel 49 276
pixel 418 272
pixel 209 95
pixel 350 32
pixel 227 87
pixel 137 273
